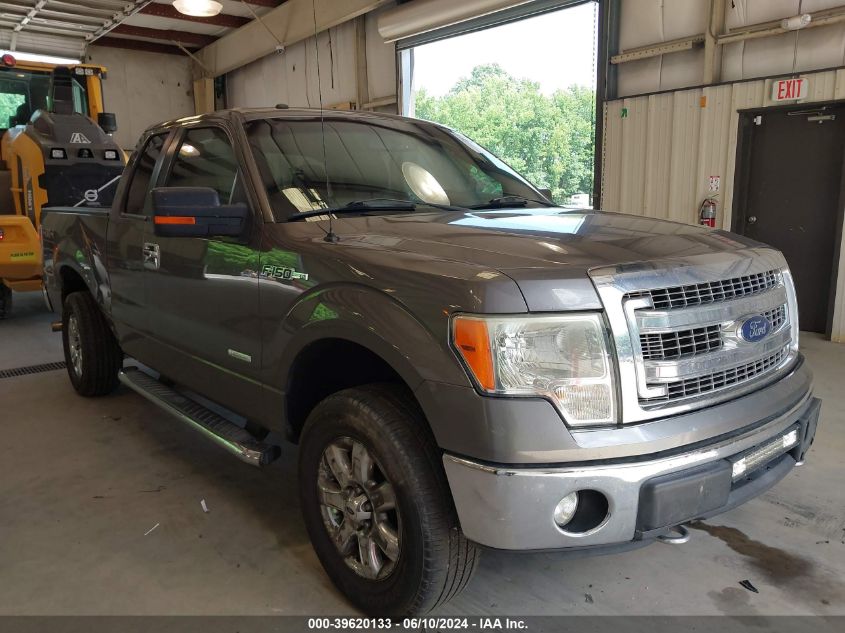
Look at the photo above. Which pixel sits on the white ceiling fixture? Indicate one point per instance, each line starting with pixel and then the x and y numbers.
pixel 198 8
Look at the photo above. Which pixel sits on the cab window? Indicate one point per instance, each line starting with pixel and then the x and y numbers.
pixel 205 158
pixel 139 187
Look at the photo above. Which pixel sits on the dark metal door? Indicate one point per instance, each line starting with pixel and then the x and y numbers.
pixel 792 185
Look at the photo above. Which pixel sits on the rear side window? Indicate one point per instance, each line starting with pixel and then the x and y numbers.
pixel 206 159
pixel 136 198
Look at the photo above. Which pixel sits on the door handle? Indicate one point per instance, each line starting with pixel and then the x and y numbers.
pixel 752 219
pixel 152 256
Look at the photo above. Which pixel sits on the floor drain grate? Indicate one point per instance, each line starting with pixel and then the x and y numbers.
pixel 34 369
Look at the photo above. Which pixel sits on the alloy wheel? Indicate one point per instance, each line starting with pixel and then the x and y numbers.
pixel 358 504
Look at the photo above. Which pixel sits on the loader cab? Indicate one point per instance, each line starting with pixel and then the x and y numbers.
pixel 56 151
pixel 46 112
pixel 25 89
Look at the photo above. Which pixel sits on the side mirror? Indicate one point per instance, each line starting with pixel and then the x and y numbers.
pixel 547 193
pixel 196 212
pixel 107 121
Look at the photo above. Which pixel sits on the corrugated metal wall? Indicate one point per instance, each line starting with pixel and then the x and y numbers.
pixel 291 77
pixel 143 88
pixel 647 22
pixel 660 151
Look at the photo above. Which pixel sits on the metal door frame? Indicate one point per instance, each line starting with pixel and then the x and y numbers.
pixel 742 176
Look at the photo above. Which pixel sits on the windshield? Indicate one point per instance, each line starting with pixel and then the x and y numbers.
pixel 22 92
pixel 374 159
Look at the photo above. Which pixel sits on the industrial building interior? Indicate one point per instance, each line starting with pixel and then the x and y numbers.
pixel 712 125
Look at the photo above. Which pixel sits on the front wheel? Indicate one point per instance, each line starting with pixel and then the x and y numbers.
pixel 377 506
pixel 92 354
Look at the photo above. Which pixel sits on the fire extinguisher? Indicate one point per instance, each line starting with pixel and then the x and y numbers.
pixel 707 213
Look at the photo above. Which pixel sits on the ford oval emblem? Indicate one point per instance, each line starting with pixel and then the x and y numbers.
pixel 755 328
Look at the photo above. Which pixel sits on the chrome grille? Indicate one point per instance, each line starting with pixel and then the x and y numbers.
pixel 669 345
pixel 677 328
pixel 718 380
pixel 695 341
pixel 709 292
pixel 776 317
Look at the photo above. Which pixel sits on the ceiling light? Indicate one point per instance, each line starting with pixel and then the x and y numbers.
pixel 198 8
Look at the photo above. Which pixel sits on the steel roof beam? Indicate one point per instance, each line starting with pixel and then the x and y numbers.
pixel 138 45
pixel 167 11
pixel 291 22
pixel 183 37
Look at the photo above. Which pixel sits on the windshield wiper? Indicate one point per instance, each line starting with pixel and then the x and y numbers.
pixel 511 201
pixel 375 204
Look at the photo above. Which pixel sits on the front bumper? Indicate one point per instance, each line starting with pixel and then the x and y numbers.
pixel 512 508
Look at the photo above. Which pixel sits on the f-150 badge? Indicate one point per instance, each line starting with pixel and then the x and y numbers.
pixel 280 272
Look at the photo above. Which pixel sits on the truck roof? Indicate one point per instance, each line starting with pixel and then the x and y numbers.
pixel 278 112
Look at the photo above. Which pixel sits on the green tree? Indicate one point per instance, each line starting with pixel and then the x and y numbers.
pixel 9 107
pixel 548 139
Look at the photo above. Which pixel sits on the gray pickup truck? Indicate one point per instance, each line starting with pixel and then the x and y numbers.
pixel 462 364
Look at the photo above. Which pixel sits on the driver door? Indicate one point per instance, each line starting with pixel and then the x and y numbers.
pixel 202 293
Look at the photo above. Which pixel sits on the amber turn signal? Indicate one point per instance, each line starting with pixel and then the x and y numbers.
pixel 175 219
pixel 473 344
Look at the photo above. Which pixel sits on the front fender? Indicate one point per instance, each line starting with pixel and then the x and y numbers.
pixel 417 351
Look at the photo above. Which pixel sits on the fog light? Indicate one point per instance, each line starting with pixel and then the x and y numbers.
pixel 566 508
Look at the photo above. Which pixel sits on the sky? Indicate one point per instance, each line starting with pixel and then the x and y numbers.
pixel 555 49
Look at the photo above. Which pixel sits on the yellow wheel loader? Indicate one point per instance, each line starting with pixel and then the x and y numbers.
pixel 56 150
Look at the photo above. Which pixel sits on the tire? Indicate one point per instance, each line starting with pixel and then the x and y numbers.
pixel 92 354
pixel 433 561
pixel 5 301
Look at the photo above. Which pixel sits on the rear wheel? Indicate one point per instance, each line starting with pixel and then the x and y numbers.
pixel 92 354
pixel 377 505
pixel 5 301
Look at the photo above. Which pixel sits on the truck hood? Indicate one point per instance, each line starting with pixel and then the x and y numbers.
pixel 547 252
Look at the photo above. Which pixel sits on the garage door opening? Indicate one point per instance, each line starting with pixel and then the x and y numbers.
pixel 525 90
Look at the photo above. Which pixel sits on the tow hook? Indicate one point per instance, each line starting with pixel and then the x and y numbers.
pixel 678 535
pixel 56 326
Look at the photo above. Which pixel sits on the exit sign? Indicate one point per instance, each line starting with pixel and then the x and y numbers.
pixel 789 89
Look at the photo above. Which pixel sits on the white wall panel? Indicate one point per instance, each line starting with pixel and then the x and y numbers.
pixel 291 77
pixel 612 157
pixel 658 156
pixel 683 18
pixel 641 23
pixel 686 117
pixel 822 47
pixel 769 55
pixel 381 61
pixel 634 134
pixel 648 22
pixel 640 76
pixel 745 12
pixel 675 69
pixel 143 89
pixel 713 144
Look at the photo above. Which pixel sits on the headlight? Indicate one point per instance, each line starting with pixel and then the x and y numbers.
pixel 563 358
pixel 791 305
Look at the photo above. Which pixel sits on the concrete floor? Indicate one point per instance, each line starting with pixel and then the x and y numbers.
pixel 100 514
